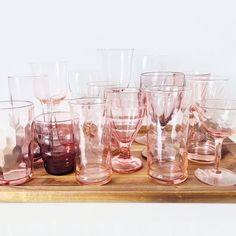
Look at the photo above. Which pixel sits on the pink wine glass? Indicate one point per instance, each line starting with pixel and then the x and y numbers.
pixel 154 79
pixel 125 112
pixel 218 117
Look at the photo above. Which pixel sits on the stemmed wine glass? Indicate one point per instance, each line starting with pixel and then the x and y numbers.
pixel 155 79
pixel 50 90
pixel 116 65
pixel 218 117
pixel 200 145
pixel 125 112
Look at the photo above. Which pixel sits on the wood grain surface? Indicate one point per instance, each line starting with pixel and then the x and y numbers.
pixel 135 187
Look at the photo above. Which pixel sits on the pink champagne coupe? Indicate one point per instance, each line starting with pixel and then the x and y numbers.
pixel 218 117
pixel 125 112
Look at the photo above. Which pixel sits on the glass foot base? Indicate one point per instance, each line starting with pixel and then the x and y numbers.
pixel 94 175
pixel 16 181
pixel 141 139
pixel 124 166
pixel 209 176
pixel 202 153
pixel 201 159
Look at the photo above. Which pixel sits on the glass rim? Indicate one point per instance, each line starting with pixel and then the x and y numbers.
pixel 217 100
pixel 53 121
pixel 13 106
pixel 159 89
pixel 79 101
pixel 131 90
pixel 210 79
pixel 156 73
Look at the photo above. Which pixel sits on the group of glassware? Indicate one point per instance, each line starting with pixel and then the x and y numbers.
pixel 186 116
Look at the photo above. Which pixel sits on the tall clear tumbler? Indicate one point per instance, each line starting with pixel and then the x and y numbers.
pixel 168 116
pixel 201 146
pixel 125 113
pixel 116 65
pixel 15 140
pixel 91 131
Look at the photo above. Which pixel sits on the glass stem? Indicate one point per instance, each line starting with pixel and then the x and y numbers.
pixel 124 150
pixel 218 148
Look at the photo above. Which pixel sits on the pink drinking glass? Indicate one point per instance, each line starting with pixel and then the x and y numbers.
pixel 168 116
pixel 218 117
pixel 15 142
pixel 125 112
pixel 91 131
pixel 153 79
pixel 53 133
pixel 200 144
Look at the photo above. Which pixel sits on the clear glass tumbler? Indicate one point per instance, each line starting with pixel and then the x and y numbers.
pixel 116 65
pixel 91 131
pixel 168 115
pixel 125 113
pixel 200 144
pixel 15 142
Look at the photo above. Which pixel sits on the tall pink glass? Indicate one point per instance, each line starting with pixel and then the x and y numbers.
pixel 125 112
pixel 168 115
pixel 91 131
pixel 15 142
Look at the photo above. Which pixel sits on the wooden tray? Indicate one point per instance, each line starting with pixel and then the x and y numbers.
pixel 136 187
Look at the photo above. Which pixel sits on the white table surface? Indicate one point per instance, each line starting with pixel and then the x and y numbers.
pixel 117 219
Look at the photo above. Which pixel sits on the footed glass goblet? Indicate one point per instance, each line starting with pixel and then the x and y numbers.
pixel 218 117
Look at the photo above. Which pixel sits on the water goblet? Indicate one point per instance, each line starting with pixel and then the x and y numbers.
pixel 218 117
pixel 125 112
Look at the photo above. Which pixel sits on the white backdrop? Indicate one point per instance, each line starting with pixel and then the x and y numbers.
pixel 196 35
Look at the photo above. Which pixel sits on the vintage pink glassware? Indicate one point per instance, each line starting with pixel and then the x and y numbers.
pixel 125 112
pixel 168 116
pixel 218 118
pixel 200 144
pixel 152 79
pixel 53 133
pixel 15 140
pixel 93 164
